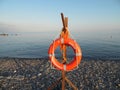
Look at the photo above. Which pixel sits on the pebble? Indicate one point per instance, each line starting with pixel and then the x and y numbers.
pixel 9 77
pixel 119 84
pixel 33 77
pixel 19 77
pixel 15 71
pixel 1 77
pixel 39 74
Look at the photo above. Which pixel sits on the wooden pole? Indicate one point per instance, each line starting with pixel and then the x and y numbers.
pixel 63 80
pixel 66 21
pixel 70 83
pixel 54 84
pixel 63 20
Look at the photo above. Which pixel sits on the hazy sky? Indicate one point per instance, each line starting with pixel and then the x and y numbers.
pixel 39 15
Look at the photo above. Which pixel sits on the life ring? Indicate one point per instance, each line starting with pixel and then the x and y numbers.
pixel 76 48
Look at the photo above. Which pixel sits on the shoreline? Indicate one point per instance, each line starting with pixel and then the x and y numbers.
pixel 37 74
pixel 47 58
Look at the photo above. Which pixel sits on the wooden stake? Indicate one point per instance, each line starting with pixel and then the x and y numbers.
pixel 70 83
pixel 66 21
pixel 63 20
pixel 54 84
pixel 63 80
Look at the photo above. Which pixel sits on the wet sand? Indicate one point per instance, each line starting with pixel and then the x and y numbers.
pixel 37 74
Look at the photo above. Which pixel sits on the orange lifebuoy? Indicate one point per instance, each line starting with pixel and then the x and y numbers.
pixel 77 50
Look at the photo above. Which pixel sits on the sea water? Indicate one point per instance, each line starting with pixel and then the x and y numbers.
pixel 95 45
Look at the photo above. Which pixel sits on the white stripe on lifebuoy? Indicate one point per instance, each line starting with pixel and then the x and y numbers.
pixel 51 55
pixel 62 40
pixel 78 54
pixel 64 67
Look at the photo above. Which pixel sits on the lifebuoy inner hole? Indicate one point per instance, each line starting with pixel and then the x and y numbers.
pixel 70 54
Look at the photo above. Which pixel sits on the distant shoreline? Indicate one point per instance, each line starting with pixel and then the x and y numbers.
pixel 4 34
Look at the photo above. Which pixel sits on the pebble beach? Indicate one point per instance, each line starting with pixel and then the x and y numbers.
pixel 37 74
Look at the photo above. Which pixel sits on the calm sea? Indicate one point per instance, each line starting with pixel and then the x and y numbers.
pixel 95 45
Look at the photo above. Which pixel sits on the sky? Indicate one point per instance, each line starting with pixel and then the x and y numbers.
pixel 44 15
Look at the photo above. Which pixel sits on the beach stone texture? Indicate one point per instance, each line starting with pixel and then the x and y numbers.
pixel 38 74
